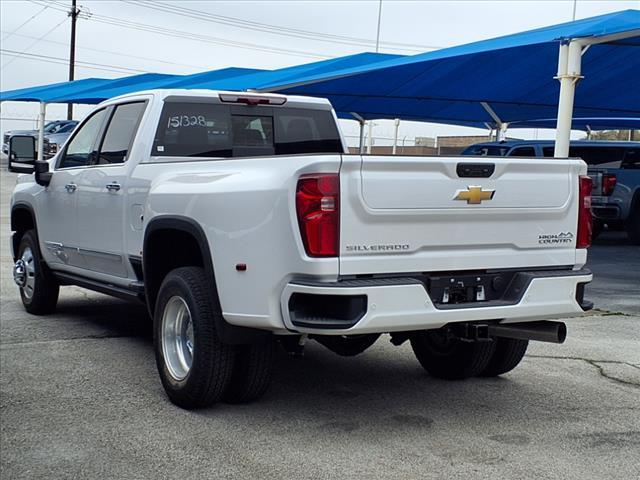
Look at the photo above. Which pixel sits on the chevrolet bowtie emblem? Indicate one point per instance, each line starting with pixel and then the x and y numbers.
pixel 474 195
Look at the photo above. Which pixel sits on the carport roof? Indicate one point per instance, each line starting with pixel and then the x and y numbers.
pixel 501 80
pixel 512 75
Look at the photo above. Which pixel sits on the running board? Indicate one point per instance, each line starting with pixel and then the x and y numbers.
pixel 134 292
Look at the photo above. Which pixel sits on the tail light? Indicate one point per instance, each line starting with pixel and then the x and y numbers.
pixel 585 221
pixel 318 209
pixel 608 183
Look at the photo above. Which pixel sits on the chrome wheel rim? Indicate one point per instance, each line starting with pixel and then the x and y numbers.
pixel 177 338
pixel 24 273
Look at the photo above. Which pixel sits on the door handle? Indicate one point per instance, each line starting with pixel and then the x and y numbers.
pixel 70 187
pixel 113 186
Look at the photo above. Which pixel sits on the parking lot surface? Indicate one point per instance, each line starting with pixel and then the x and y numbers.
pixel 80 398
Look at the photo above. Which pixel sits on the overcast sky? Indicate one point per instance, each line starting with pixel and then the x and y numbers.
pixel 119 38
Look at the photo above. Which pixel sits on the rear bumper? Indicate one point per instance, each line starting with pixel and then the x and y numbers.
pixel 403 304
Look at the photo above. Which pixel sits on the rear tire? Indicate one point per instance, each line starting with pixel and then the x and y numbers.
pixel 445 356
pixel 633 224
pixel 507 355
pixel 252 372
pixel 195 366
pixel 40 291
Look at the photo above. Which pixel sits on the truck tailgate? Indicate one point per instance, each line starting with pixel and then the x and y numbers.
pixel 428 214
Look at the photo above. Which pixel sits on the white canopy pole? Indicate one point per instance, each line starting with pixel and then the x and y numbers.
pixel 501 127
pixel 569 67
pixel 370 137
pixel 361 122
pixel 395 135
pixel 43 112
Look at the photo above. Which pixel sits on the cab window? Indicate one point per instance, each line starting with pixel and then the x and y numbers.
pixel 120 132
pixel 82 146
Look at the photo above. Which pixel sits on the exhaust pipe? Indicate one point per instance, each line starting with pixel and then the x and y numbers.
pixel 543 331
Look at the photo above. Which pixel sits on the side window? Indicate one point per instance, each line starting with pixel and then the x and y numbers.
pixel 120 132
pixel 548 151
pixel 81 147
pixel 522 152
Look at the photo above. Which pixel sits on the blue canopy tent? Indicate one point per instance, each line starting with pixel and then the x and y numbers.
pixel 223 79
pixel 499 80
pixel 122 86
pixel 43 92
pixel 284 75
pixel 585 124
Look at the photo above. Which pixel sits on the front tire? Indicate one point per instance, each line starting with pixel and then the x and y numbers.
pixel 445 356
pixel 39 289
pixel 195 366
pixel 507 355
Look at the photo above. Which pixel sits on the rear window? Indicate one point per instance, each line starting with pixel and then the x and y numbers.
pixel 487 150
pixel 210 130
pixel 523 152
pixel 600 155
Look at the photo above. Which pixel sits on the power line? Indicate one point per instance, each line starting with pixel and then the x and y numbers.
pixel 190 35
pixel 25 22
pixel 200 37
pixel 38 39
pixel 275 29
pixel 64 61
pixel 66 44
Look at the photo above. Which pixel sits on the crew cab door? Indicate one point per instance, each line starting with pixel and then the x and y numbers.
pixel 101 193
pixel 57 205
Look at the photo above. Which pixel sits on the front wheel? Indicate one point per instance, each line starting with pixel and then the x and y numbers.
pixel 446 356
pixel 195 366
pixel 38 287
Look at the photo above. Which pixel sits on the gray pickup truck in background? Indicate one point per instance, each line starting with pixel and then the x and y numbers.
pixel 614 167
pixel 50 128
pixel 616 195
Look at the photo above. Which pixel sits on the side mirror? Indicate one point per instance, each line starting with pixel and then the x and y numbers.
pixel 22 150
pixel 43 175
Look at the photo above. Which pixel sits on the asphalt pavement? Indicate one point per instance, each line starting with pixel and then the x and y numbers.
pixel 80 398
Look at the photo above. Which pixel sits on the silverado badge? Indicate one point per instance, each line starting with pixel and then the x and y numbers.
pixel 474 194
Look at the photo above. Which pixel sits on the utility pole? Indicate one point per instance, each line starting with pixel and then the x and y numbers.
pixel 73 13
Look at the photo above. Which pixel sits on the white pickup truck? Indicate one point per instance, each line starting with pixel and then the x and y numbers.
pixel 240 219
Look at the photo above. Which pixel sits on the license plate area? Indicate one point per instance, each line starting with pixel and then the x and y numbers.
pixel 478 288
